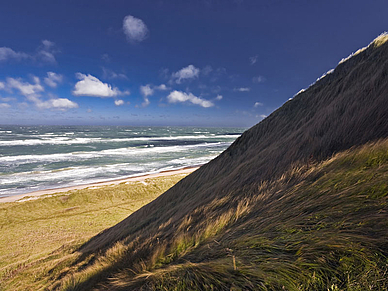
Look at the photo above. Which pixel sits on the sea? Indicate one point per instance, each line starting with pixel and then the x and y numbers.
pixel 36 158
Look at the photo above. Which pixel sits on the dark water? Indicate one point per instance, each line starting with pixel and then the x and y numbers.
pixel 45 157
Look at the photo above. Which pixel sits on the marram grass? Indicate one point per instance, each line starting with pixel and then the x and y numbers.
pixel 40 238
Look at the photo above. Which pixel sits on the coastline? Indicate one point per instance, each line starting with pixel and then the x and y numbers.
pixel 37 194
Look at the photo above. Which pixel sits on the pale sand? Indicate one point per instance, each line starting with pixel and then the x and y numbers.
pixel 36 194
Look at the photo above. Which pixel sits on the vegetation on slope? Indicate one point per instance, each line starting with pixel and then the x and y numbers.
pixel 323 226
pixel 39 237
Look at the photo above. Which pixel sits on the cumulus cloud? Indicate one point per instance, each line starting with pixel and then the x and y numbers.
pixel 45 53
pixel 180 97
pixel 258 79
pixel 134 29
pixel 32 91
pixel 219 97
pixel 189 72
pixel 242 89
pixel 119 102
pixel 253 60
pixel 149 90
pixel 56 103
pixel 25 88
pixel 92 86
pixel 53 79
pixel 257 104
pixel 161 87
pixel 146 91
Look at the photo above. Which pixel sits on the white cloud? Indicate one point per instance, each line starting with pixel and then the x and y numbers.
pixel 135 29
pixel 146 91
pixel 2 86
pixel 257 104
pixel 253 60
pixel 189 72
pixel 258 79
pixel 91 86
pixel 25 88
pixel 4 105
pixel 262 116
pixel 56 103
pixel 7 53
pixel 178 96
pixel 161 87
pixel 53 79
pixel 89 110
pixel 149 90
pixel 119 102
pixel 242 89
pixel 219 97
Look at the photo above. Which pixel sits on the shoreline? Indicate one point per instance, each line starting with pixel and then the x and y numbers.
pixel 141 177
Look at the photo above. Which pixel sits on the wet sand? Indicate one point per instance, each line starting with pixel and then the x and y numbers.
pixel 36 194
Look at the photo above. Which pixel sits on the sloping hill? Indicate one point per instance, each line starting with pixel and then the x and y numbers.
pixel 274 210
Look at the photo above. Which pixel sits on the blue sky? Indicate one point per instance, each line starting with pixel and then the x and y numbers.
pixel 194 62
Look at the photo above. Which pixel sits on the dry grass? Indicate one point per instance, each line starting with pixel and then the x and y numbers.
pixel 318 227
pixel 40 237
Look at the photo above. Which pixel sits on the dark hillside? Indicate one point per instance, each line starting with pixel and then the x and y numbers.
pixel 259 195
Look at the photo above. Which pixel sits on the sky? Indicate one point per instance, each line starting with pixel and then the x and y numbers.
pixel 170 63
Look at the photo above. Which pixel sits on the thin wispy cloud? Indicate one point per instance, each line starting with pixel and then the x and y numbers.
pixel 7 53
pixel 181 97
pixel 253 60
pixel 207 70
pixel 242 89
pixel 257 104
pixel 258 79
pixel 186 73
pixel 44 54
pixel 53 79
pixel 109 74
pixel 92 86
pixel 135 29
pixel 4 105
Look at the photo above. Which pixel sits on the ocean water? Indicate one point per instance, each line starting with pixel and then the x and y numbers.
pixel 45 157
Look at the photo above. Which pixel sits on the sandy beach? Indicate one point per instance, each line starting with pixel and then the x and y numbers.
pixel 36 194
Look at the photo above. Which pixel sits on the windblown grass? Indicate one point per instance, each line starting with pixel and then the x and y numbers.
pixel 323 226
pixel 39 238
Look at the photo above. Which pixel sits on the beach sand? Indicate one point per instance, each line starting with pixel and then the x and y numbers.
pixel 36 194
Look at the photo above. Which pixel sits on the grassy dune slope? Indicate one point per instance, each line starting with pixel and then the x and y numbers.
pixel 323 226
pixel 38 238
pixel 189 236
